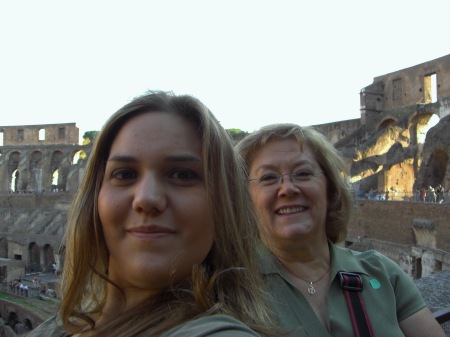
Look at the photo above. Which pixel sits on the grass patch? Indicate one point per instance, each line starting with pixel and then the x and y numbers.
pixel 44 309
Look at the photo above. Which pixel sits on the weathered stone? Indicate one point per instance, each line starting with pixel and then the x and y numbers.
pixel 7 331
pixel 435 290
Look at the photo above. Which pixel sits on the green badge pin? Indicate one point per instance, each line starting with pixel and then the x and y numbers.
pixel 375 283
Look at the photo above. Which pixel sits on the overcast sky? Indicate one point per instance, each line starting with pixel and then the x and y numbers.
pixel 251 62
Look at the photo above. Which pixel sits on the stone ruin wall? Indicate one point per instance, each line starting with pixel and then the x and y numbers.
pixel 386 149
pixel 394 149
pixel 415 235
pixel 339 130
pixel 39 158
pixel 411 86
pixel 45 134
pixel 38 175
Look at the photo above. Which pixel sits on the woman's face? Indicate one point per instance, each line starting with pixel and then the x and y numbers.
pixel 153 204
pixel 290 210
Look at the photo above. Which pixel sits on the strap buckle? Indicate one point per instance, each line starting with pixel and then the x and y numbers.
pixel 350 281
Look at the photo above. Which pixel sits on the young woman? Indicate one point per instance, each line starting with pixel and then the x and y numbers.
pixel 160 238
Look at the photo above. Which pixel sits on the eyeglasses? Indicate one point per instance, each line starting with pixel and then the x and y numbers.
pixel 274 179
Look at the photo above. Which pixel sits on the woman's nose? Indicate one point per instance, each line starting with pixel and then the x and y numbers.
pixel 149 195
pixel 287 186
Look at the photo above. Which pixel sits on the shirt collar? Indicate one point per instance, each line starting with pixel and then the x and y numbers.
pixel 342 259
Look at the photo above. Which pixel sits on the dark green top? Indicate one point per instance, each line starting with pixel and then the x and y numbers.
pixel 207 326
pixel 389 295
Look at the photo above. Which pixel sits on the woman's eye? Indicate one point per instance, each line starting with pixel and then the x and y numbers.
pixel 124 174
pixel 184 174
pixel 303 175
pixel 270 177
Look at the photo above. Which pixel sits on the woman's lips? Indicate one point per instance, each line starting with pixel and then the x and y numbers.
pixel 150 232
pixel 290 210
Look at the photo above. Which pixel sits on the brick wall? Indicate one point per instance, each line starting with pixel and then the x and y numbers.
pixel 391 221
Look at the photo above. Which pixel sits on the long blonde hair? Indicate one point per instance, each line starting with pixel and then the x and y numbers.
pixel 226 282
pixel 340 204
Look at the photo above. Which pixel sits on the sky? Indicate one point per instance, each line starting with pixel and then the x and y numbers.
pixel 252 62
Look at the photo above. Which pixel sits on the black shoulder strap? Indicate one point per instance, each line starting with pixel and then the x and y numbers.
pixel 352 287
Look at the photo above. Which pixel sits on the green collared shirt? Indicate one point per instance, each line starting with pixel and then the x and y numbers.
pixel 389 295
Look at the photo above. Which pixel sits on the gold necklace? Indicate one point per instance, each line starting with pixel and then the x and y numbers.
pixel 311 289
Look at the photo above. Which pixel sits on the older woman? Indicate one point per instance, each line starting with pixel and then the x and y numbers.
pixel 300 194
pixel 151 248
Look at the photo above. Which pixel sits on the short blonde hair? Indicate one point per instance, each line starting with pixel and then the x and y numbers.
pixel 339 197
pixel 226 282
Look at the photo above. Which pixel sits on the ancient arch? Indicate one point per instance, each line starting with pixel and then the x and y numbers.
pixel 386 123
pixel 28 324
pixel 436 167
pixel 76 156
pixel 13 170
pixel 35 163
pixel 57 158
pixel 424 122
pixel 3 248
pixel 14 187
pixel 12 319
pixel 34 256
pixel 49 257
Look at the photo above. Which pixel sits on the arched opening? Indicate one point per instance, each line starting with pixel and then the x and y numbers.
pixel 13 166
pixel 386 123
pixel 79 155
pixel 436 169
pixel 424 126
pixel 55 178
pixel 49 257
pixel 14 181
pixel 12 320
pixel 58 183
pixel 35 181
pixel 28 324
pixel 3 248
pixel 34 256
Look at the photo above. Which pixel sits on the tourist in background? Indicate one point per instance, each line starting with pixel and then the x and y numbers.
pixel 152 247
pixel 417 195
pixel 423 194
pixel 439 194
pixel 298 188
pixel 431 193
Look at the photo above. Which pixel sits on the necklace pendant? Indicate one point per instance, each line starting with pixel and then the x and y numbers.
pixel 311 289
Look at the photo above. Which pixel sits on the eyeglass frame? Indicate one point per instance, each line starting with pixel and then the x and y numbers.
pixel 279 181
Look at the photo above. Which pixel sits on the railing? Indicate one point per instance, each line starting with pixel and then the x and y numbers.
pixel 401 196
pixel 14 288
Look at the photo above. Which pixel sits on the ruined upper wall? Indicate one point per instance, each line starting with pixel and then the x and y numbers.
pixel 45 134
pixel 338 130
pixel 410 86
pixel 411 89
